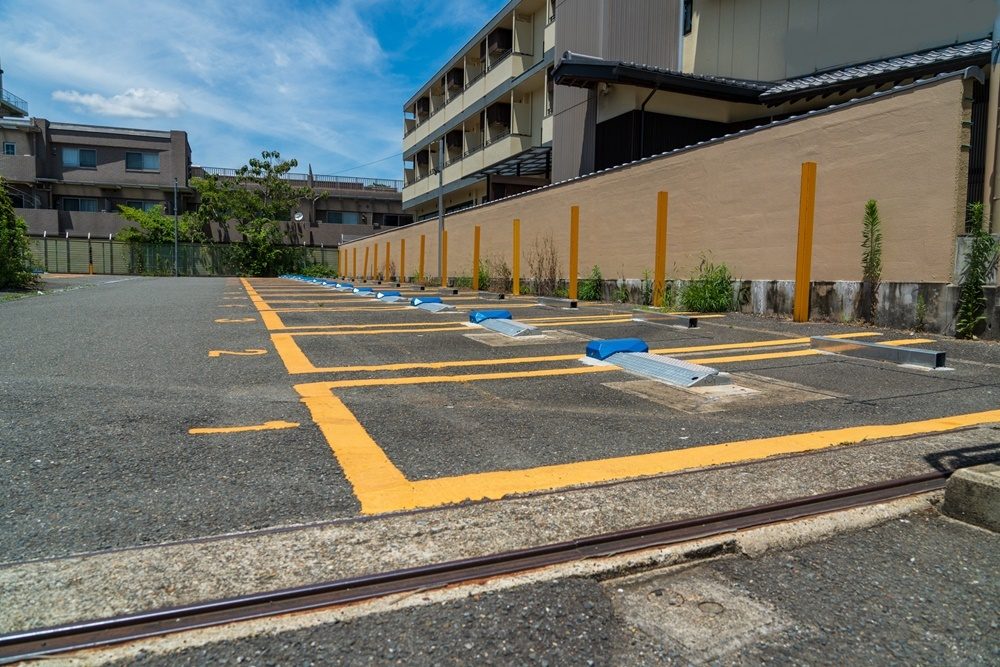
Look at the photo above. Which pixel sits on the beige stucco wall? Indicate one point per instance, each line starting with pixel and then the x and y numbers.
pixel 738 200
pixel 775 39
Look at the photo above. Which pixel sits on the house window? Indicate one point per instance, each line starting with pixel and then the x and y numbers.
pixel 9 148
pixel 80 157
pixel 142 161
pixel 343 217
pixel 79 204
pixel 688 11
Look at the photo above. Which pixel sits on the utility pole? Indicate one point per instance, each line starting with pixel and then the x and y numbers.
pixel 176 229
pixel 441 207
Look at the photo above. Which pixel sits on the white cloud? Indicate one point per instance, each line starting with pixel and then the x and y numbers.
pixel 133 103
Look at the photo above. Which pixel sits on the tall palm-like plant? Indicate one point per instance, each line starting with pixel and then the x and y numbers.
pixel 871 261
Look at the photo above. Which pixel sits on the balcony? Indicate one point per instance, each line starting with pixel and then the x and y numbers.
pixel 12 105
pixel 18 168
pixel 504 70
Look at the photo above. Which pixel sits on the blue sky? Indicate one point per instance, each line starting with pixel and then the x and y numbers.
pixel 323 82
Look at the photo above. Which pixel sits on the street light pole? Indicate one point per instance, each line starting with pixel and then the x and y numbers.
pixel 176 229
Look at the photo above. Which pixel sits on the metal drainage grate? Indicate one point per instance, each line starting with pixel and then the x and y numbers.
pixel 507 327
pixel 436 307
pixel 667 369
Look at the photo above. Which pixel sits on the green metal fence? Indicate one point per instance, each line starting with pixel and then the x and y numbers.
pixel 68 255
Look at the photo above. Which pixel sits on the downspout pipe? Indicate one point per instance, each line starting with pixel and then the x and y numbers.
pixel 642 122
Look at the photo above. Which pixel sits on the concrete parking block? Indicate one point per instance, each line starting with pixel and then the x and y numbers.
pixel 973 496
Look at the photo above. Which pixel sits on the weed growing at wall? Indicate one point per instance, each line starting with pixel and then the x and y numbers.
pixel 592 288
pixel 499 277
pixel 980 262
pixel 15 259
pixel 543 266
pixel 920 315
pixel 710 289
pixel 871 261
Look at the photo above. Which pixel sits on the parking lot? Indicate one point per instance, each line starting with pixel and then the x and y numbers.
pixel 215 437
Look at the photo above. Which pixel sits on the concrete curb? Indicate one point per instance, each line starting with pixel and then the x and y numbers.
pixel 973 496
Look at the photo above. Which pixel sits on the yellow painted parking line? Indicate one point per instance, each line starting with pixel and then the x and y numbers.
pixel 908 341
pixel 266 426
pixel 297 363
pixel 381 487
pixel 245 353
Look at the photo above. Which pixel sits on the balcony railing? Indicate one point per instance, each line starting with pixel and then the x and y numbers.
pixel 14 101
pixel 328 182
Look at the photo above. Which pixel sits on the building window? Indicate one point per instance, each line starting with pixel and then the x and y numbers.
pixel 80 157
pixel 142 161
pixel 343 217
pixel 688 11
pixel 142 205
pixel 9 148
pixel 79 204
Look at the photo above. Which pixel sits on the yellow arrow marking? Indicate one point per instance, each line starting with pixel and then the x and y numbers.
pixel 225 320
pixel 245 353
pixel 266 426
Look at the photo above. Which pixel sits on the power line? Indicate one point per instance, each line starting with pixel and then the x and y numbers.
pixel 366 164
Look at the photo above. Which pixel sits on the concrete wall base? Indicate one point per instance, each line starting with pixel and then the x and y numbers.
pixel 973 496
pixel 929 307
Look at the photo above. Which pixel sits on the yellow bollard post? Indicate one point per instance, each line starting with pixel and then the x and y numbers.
pixel 375 261
pixel 475 259
pixel 420 268
pixel 402 259
pixel 515 271
pixel 574 248
pixel 660 264
pixel 803 254
pixel 387 257
pixel 444 258
pixel 364 274
pixel 354 263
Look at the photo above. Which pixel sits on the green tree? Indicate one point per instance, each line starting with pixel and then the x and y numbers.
pixel 980 262
pixel 15 257
pixel 871 261
pixel 154 226
pixel 255 201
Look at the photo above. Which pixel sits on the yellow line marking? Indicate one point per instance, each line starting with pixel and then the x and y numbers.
pixel 908 341
pixel 381 487
pixel 297 363
pixel 266 426
pixel 249 352
pixel 225 320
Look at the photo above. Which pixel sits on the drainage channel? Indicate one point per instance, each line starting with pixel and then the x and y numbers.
pixel 104 632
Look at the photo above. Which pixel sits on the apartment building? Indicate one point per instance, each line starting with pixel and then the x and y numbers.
pixel 481 127
pixel 70 178
pixel 67 178
pixel 619 80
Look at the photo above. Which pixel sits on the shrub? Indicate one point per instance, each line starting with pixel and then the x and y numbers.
pixel 709 290
pixel 14 255
pixel 592 288
pixel 319 271
pixel 980 262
